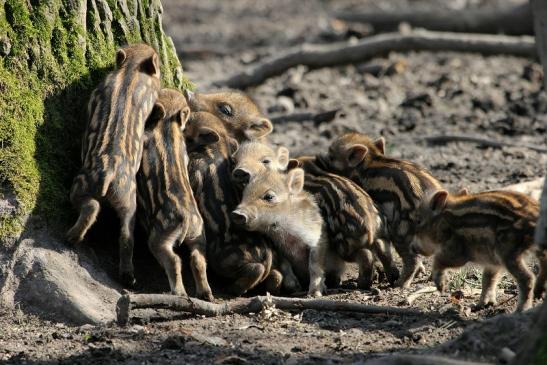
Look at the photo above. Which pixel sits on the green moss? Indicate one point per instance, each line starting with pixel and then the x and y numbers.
pixel 45 83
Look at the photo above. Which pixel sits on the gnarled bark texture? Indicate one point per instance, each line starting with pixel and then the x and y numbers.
pixel 52 54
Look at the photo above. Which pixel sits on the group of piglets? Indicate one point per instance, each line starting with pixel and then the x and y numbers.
pixel 197 169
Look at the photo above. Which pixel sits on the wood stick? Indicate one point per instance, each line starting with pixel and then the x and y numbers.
pixel 443 139
pixel 315 56
pixel 129 302
pixel 418 360
pixel 516 20
pixel 317 118
pixel 418 293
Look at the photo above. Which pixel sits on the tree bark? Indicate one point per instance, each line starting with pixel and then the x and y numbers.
pixel 52 54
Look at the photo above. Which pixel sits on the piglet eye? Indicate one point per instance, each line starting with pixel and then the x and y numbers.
pixel 225 109
pixel 269 197
pixel 266 161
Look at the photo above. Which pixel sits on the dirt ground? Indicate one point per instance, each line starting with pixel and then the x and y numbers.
pixel 414 95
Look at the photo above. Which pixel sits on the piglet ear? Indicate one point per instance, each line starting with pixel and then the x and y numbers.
pixel 295 180
pixel 121 56
pixel 207 136
pixel 151 66
pixel 184 115
pixel 438 201
pixel 356 154
pixel 258 129
pixel 283 157
pixel 233 146
pixel 380 143
pixel 463 191
pixel 157 114
pixel 293 164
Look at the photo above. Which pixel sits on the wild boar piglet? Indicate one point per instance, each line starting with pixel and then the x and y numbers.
pixel 243 260
pixel 167 207
pixel 253 158
pixel 396 186
pixel 276 204
pixel 238 112
pixel 494 229
pixel 356 229
pixel 112 147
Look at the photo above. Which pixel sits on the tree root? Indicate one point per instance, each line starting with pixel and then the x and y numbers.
pixel 316 118
pixel 129 302
pixel 418 360
pixel 511 20
pixel 316 56
pixel 443 139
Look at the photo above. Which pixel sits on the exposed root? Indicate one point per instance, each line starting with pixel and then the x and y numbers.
pixel 443 139
pixel 245 305
pixel 515 20
pixel 316 56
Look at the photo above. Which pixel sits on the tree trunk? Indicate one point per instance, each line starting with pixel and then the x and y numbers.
pixel 535 350
pixel 52 54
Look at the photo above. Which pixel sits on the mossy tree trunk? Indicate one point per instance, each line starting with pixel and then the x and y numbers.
pixel 52 54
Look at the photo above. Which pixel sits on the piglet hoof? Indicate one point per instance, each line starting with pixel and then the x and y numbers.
pixel 127 279
pixel 315 294
pixel 179 293
pixel 73 237
pixel 207 296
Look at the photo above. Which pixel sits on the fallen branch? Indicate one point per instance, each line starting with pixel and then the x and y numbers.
pixel 443 139
pixel 418 293
pixel 317 118
pixel 418 360
pixel 515 20
pixel 316 56
pixel 129 302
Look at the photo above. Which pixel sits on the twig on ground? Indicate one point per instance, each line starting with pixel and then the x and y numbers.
pixel 129 302
pixel 443 139
pixel 317 118
pixel 418 293
pixel 315 56
pixel 418 360
pixel 515 20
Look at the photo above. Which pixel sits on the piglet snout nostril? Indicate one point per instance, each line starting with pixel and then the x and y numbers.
pixel 241 175
pixel 238 217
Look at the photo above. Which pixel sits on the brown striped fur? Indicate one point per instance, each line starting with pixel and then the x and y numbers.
pixel 166 203
pixel 275 203
pixel 239 113
pixel 494 229
pixel 348 211
pixel 396 186
pixel 112 147
pixel 356 230
pixel 244 260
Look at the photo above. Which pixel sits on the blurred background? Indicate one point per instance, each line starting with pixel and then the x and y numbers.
pixel 404 97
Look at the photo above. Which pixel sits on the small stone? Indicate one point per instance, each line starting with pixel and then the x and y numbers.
pixel 506 355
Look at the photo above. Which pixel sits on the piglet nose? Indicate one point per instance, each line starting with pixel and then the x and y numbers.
pixel 238 217
pixel 241 175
